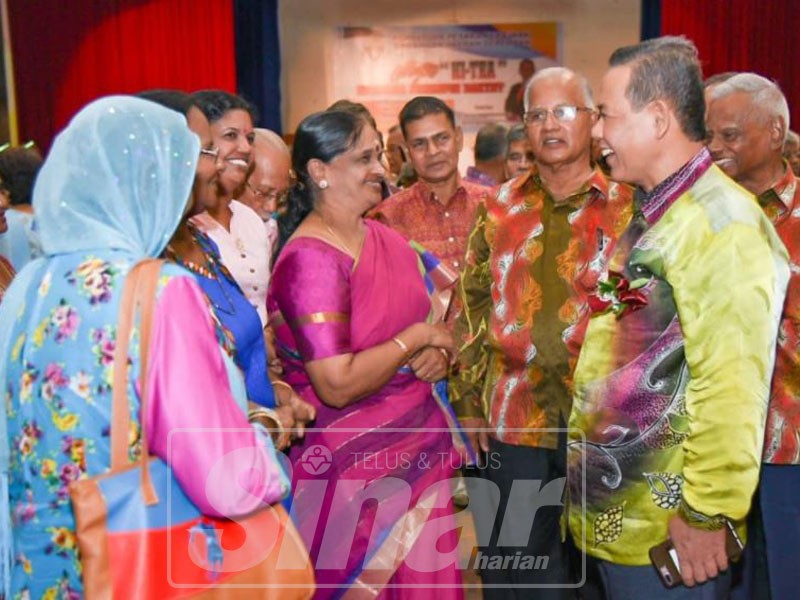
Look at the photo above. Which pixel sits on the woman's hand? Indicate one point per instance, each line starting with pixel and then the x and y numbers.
pixel 274 364
pixel 278 422
pixel 429 364
pixel 442 338
pixel 295 408
pixel 286 418
pixel 426 334
pixel 346 378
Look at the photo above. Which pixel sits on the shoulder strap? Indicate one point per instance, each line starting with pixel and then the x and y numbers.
pixel 137 295
pixel 120 409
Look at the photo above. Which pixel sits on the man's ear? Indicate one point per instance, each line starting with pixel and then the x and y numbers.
pixel 662 118
pixel 459 139
pixel 777 133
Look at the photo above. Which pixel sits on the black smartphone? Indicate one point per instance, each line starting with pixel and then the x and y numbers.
pixel 665 558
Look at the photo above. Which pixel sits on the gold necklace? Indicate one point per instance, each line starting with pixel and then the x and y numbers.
pixel 338 242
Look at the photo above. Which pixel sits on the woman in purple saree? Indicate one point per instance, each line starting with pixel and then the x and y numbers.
pixel 349 306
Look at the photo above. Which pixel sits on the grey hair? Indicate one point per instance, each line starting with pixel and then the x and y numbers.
pixel 764 94
pixel 564 74
pixel 791 136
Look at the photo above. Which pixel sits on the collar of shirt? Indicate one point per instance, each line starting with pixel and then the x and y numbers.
pixel 654 204
pixel 427 192
pixel 782 192
pixel 598 182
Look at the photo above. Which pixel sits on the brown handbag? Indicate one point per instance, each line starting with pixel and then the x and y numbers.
pixel 139 536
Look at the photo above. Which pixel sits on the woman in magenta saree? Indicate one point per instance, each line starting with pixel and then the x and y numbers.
pixel 349 306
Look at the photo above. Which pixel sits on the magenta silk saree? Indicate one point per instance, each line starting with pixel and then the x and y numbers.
pixel 371 482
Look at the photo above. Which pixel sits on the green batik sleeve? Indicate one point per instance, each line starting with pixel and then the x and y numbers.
pixel 474 291
pixel 728 283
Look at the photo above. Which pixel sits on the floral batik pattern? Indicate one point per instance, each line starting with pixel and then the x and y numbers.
pixel 782 440
pixel 58 416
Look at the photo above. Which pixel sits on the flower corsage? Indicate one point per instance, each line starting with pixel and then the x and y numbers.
pixel 618 295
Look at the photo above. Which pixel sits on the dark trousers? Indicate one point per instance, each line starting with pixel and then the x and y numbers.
pixel 749 581
pixel 632 583
pixel 521 554
pixel 780 513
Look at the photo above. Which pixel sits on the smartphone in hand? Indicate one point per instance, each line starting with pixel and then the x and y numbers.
pixel 665 558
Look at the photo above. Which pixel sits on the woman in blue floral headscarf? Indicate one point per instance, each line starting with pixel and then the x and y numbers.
pixel 111 192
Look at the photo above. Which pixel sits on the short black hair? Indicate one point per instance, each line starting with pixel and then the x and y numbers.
pixel 422 106
pixel 215 103
pixel 355 108
pixel 490 142
pixel 359 110
pixel 175 99
pixel 18 169
pixel 666 68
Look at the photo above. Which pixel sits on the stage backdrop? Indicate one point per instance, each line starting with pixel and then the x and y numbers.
pixel 471 67
pixel 67 53
pixel 741 35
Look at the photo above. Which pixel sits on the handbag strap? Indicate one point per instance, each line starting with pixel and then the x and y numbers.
pixel 138 294
pixel 120 409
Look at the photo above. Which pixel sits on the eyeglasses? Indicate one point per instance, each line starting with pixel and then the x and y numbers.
pixel 565 113
pixel 274 195
pixel 212 152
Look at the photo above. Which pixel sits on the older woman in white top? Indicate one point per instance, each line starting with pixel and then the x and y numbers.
pixel 236 229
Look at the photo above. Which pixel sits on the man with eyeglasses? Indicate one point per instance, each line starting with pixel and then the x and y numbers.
pixel 269 178
pixel 535 250
pixel 438 211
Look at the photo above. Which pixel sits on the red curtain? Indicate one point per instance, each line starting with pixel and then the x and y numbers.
pixel 762 36
pixel 67 53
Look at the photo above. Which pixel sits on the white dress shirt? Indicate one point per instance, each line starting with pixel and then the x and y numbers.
pixel 246 251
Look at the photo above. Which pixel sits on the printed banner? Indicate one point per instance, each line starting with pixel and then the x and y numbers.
pixel 479 70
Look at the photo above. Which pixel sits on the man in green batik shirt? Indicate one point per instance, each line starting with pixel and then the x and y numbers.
pixel 672 383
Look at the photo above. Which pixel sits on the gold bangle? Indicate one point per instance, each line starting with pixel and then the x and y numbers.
pixel 269 415
pixel 282 383
pixel 262 412
pixel 402 344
